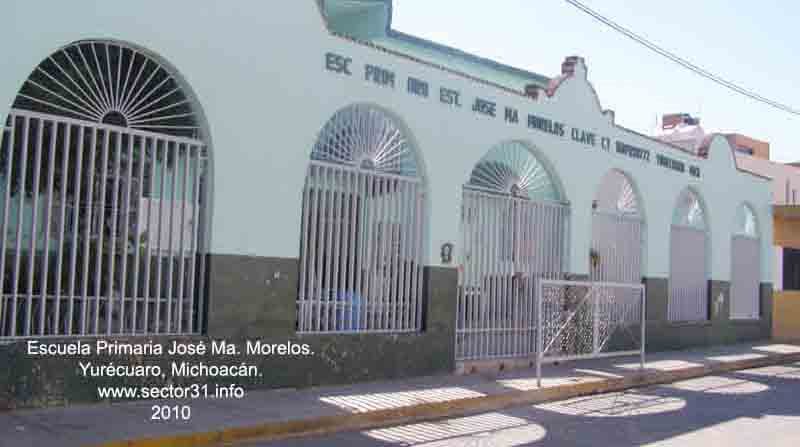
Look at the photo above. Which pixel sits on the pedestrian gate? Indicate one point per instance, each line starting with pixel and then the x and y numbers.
pixel 513 230
pixel 509 243
pixel 362 228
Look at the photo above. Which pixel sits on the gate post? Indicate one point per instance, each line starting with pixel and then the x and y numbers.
pixel 595 318
pixel 643 324
pixel 539 344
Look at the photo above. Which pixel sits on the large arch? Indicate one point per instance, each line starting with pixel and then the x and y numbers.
pixel 513 232
pixel 745 264
pixel 618 230
pixel 106 186
pixel 690 254
pixel 363 227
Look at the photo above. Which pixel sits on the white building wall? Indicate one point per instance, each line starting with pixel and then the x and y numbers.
pixel 258 70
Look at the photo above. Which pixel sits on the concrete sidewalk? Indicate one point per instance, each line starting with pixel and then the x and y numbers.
pixel 275 414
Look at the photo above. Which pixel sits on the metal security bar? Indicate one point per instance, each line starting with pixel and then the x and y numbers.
pixel 101 229
pixel 616 248
pixel 582 319
pixel 361 251
pixel 509 243
pixel 745 277
pixel 688 280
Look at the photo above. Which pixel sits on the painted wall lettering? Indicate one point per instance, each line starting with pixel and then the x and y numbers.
pixel 417 87
pixel 449 96
pixel 670 163
pixel 378 75
pixel 583 136
pixel 484 107
pixel 512 116
pixel 373 73
pixel 337 63
pixel 633 151
pixel 546 125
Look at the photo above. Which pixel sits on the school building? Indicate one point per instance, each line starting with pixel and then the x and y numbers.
pixel 305 172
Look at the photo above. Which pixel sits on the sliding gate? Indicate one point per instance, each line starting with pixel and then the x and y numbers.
pixel 509 244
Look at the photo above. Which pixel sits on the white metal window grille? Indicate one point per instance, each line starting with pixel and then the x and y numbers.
pixel 362 229
pixel 745 277
pixel 513 233
pixel 110 83
pixel 745 266
pixel 688 279
pixel 688 300
pixel 86 249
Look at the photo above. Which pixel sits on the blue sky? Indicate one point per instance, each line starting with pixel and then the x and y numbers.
pixel 753 44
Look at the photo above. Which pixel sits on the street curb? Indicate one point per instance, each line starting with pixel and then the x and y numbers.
pixel 437 410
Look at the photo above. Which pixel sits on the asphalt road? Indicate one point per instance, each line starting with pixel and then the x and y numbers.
pixel 752 408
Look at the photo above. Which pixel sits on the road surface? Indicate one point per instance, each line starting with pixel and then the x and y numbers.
pixel 752 408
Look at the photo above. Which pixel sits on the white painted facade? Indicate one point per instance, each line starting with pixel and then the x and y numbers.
pixel 258 71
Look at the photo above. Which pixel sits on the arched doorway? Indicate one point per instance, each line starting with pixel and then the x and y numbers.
pixel 688 300
pixel 745 265
pixel 104 186
pixel 362 228
pixel 513 232
pixel 617 231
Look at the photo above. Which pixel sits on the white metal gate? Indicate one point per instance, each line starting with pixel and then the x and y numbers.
pixel 745 277
pixel 688 279
pixel 616 248
pixel 587 319
pixel 509 243
pixel 362 228
pixel 361 251
pixel 101 229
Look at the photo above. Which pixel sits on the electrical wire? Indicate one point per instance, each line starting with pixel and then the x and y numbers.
pixel 681 61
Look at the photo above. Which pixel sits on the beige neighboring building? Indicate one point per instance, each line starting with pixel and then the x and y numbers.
pixel 753 155
pixel 786 216
pixel 749 146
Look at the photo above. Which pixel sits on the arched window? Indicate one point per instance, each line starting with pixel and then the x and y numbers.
pixel 745 265
pixel 746 223
pixel 511 169
pixel 103 190
pixel 688 300
pixel 513 231
pixel 362 228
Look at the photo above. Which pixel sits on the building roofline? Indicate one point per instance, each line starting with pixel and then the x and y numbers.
pixel 496 65
pixel 534 77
